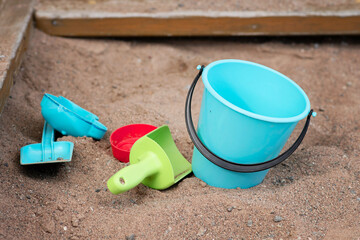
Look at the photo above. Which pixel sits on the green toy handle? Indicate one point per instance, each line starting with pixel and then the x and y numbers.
pixel 131 176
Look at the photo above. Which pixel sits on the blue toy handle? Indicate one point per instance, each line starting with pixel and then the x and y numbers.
pixel 232 166
pixel 47 142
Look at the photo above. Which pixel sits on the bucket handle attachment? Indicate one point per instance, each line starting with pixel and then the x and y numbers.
pixel 236 167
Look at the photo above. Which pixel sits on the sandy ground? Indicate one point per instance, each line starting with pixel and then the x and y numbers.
pixel 313 195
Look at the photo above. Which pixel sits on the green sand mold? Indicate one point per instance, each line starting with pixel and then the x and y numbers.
pixel 155 162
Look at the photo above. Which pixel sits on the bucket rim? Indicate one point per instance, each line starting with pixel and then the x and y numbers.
pixel 296 118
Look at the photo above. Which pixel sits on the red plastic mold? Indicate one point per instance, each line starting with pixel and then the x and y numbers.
pixel 123 138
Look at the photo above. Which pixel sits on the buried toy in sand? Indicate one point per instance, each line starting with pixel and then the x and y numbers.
pixel 155 162
pixel 68 118
pixel 47 151
pixel 248 112
pixel 122 139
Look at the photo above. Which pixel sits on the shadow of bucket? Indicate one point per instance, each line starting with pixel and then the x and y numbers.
pixel 248 111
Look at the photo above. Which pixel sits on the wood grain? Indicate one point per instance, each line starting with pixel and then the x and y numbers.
pixel 15 28
pixel 158 6
pixel 197 23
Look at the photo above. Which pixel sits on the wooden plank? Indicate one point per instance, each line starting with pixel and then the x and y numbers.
pixel 197 18
pixel 15 27
pixel 73 23
pixel 178 6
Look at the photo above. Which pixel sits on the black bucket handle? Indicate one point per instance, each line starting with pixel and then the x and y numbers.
pixel 232 166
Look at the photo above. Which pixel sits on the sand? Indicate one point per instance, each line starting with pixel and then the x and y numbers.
pixel 315 194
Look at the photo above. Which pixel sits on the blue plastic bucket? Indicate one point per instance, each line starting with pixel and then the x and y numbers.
pixel 247 114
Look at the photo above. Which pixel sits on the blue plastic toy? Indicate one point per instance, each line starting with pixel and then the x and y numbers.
pixel 247 114
pixel 70 119
pixel 47 151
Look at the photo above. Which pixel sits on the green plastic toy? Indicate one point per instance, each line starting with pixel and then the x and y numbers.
pixel 155 161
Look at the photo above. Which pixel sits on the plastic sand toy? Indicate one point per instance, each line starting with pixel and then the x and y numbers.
pixel 70 119
pixel 155 162
pixel 247 114
pixel 48 151
pixel 122 139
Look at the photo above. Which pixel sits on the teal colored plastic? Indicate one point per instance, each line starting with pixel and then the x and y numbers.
pixel 70 119
pixel 247 114
pixel 47 151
